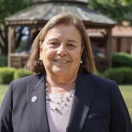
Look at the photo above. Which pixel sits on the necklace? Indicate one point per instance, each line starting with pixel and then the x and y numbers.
pixel 59 102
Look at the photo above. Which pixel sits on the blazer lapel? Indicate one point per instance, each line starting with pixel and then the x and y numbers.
pixel 37 106
pixel 81 103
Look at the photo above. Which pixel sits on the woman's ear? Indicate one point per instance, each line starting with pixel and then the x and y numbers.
pixel 82 50
pixel 40 52
pixel 41 48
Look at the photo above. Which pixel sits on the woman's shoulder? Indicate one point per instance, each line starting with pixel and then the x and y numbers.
pixel 96 77
pixel 28 79
pixel 100 80
pixel 102 83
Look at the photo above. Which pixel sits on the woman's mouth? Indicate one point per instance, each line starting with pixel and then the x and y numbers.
pixel 62 61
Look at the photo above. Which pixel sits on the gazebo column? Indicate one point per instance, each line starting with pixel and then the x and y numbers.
pixel 108 42
pixel 11 43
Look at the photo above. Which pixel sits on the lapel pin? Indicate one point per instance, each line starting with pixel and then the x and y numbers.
pixel 34 99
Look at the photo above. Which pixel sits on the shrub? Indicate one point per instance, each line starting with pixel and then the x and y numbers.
pixel 3 61
pixel 21 73
pixel 114 74
pixel 120 59
pixel 6 75
pixel 127 72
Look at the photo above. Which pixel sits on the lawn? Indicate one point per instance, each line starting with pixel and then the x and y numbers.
pixel 3 89
pixel 126 91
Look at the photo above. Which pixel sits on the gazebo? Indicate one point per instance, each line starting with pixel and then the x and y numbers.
pixel 36 16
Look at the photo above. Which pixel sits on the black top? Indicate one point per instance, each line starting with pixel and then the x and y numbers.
pixel 97 106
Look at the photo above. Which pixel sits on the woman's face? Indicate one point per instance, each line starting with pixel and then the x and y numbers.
pixel 61 50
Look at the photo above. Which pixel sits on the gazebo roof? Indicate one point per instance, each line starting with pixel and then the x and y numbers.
pixel 40 13
pixel 62 1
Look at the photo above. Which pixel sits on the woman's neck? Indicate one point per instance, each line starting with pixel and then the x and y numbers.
pixel 59 84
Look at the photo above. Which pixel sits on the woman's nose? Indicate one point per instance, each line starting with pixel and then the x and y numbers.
pixel 61 50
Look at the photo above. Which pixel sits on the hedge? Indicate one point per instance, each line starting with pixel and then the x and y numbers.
pixel 21 73
pixel 127 72
pixel 120 59
pixel 6 75
pixel 121 75
pixel 114 74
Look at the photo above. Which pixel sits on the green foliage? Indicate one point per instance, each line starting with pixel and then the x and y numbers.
pixel 3 61
pixel 114 74
pixel 7 8
pixel 6 75
pixel 21 73
pixel 121 75
pixel 127 72
pixel 120 59
pixel 119 10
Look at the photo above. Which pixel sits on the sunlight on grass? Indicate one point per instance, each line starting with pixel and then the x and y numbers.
pixel 126 91
pixel 3 89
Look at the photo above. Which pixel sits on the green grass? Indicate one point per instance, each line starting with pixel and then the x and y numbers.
pixel 3 89
pixel 126 91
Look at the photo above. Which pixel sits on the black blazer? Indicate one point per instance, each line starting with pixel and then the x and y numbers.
pixel 97 106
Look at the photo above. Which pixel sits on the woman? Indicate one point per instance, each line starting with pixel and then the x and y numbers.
pixel 64 96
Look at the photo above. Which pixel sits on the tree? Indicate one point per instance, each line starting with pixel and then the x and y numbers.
pixel 7 8
pixel 119 10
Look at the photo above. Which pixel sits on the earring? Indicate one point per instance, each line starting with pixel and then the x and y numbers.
pixel 81 62
pixel 40 59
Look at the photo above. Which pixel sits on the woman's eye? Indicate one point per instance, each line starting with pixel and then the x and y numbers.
pixel 71 45
pixel 53 43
